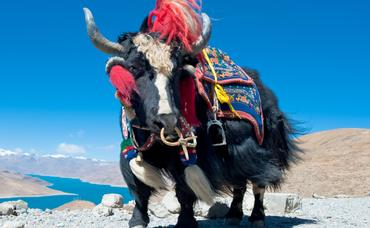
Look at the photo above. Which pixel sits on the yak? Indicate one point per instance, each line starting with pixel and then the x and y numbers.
pixel 153 73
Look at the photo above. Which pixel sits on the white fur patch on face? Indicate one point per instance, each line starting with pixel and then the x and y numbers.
pixel 161 82
pixel 157 53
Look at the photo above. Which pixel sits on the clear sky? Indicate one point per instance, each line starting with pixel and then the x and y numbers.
pixel 56 98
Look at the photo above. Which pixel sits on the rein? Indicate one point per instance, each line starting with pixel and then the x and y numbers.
pixel 149 142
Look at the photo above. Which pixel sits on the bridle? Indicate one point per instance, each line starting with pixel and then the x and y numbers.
pixel 187 138
pixel 188 142
pixel 148 143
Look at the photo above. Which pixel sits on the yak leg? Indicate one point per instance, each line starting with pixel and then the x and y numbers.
pixel 257 217
pixel 186 199
pixel 140 218
pixel 141 194
pixel 235 214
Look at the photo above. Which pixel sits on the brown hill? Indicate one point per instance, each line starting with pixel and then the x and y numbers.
pixel 335 162
pixel 76 205
pixel 13 185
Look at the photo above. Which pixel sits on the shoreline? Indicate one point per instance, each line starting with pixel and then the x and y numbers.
pixel 124 185
pixel 50 187
pixel 37 196
pixel 106 184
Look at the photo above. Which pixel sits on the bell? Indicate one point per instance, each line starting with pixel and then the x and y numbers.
pixel 216 132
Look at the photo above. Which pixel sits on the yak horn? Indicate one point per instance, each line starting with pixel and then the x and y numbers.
pixel 202 41
pixel 98 39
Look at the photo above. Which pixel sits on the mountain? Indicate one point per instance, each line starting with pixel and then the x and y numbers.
pixel 335 162
pixel 90 170
pixel 13 184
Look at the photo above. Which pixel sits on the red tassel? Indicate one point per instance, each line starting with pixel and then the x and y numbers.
pixel 124 82
pixel 177 19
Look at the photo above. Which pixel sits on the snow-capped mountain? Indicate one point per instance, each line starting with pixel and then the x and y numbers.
pixel 91 170
pixel 4 153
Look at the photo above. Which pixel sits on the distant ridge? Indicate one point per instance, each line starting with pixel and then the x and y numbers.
pixel 86 169
pixel 13 185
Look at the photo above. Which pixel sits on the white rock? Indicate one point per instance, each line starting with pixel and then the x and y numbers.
pixel 248 202
pixel 60 225
pixel 6 208
pixel 101 210
pixel 201 209
pixel 281 203
pixel 13 224
pixel 158 210
pixel 341 196
pixel 317 196
pixel 112 200
pixel 48 211
pixel 171 203
pixel 19 205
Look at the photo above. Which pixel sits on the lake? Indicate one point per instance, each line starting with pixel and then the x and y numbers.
pixel 81 190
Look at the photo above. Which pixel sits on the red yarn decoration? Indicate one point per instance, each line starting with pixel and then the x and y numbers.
pixel 177 19
pixel 124 82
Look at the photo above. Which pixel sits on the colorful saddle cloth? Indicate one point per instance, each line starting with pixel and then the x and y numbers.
pixel 238 85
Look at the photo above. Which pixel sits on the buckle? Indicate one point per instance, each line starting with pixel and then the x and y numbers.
pixel 217 133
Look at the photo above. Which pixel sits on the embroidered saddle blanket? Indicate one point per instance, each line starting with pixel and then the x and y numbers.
pixel 239 86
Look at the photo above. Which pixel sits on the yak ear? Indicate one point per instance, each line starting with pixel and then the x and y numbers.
pixel 144 28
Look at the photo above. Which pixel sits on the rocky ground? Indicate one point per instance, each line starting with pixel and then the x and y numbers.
pixel 283 210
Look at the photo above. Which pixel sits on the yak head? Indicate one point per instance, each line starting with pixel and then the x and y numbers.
pixel 154 59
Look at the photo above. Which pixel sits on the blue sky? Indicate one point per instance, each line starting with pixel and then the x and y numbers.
pixel 55 96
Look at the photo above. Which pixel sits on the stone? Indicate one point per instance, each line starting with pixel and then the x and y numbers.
pixel 201 209
pixel 217 210
pixel 171 203
pixel 317 196
pixel 13 224
pixel 129 207
pixel 341 196
pixel 48 211
pixel 6 209
pixel 22 211
pixel 112 200
pixel 19 205
pixel 101 210
pixel 158 210
pixel 281 203
pixel 248 202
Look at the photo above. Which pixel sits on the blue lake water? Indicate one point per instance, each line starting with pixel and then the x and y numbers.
pixel 82 191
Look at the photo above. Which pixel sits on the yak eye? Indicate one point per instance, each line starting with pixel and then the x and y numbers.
pixel 151 77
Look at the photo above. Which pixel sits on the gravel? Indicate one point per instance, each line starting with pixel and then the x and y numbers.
pixel 333 212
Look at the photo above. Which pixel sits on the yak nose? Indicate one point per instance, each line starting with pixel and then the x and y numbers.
pixel 168 122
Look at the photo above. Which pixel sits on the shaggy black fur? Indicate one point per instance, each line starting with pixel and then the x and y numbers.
pixel 228 168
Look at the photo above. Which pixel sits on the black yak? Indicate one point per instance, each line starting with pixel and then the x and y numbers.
pixel 153 72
